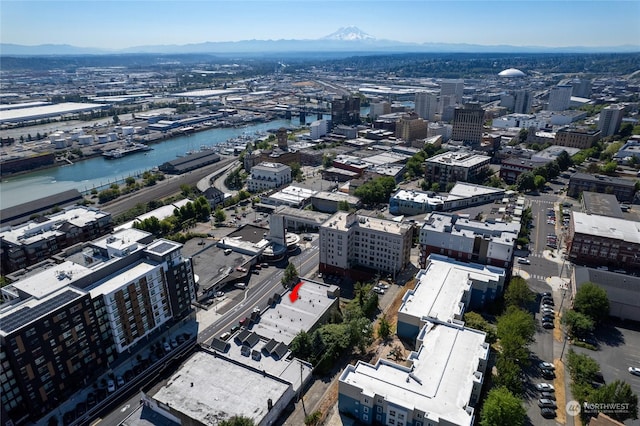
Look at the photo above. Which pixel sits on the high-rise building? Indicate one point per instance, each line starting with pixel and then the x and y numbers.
pixel 452 87
pixel 444 102
pixel 426 105
pixel 581 88
pixel 345 111
pixel 379 108
pixel 467 124
pixel 610 119
pixel 559 98
pixel 522 102
pixel 411 127
pixel 64 325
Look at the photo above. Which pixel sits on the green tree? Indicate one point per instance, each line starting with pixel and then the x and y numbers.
pixel 384 328
pixel 301 345
pixel 237 421
pixel 582 368
pixel 502 408
pixel 509 375
pixel 290 275
pixel 617 392
pixel 592 301
pixel 516 322
pixel 539 181
pixel 343 205
pixel 577 323
pixel 474 320
pixel 313 419
pixel 564 160
pixel 518 293
pixel 525 182
pixel 296 172
pixel 219 215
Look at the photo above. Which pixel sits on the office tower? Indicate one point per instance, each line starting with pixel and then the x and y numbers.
pixel 610 119
pixel 581 88
pixel 559 98
pixel 345 111
pixel 281 134
pixel 379 108
pixel 411 127
pixel 452 87
pixel 426 105
pixel 467 123
pixel 522 102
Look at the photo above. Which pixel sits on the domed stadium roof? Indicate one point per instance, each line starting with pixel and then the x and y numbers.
pixel 511 72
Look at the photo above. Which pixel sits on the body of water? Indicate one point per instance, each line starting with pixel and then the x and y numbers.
pixel 98 172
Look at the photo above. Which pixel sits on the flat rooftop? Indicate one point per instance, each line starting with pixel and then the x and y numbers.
pixel 606 227
pixel 45 281
pixel 209 389
pixel 467 190
pixel 505 232
pixel 286 319
pixel 460 159
pixel 601 204
pixel 441 380
pixel 339 222
pixel 440 288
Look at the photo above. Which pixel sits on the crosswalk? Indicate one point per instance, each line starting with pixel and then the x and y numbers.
pixel 537 277
pixel 541 202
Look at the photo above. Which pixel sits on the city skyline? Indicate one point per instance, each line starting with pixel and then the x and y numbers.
pixel 130 23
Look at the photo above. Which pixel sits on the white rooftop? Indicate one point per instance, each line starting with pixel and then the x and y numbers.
pixel 31 232
pixel 440 383
pixel 440 288
pixel 606 227
pixel 339 222
pixel 51 279
pixel 466 190
pixel 209 389
pixel 461 159
pixel 121 278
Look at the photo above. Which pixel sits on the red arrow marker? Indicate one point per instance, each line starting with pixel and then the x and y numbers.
pixel 293 296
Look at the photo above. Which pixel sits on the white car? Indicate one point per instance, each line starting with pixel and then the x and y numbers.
pixel 635 371
pixel 378 290
pixel 120 381
pixel 111 386
pixel 547 366
pixel 545 387
pixel 219 293
pixel 524 261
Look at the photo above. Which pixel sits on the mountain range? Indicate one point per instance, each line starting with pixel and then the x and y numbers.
pixel 348 39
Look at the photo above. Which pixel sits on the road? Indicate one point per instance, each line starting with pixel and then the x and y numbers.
pixel 259 291
pixel 162 189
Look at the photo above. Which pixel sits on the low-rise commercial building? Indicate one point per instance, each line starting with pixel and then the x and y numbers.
pixel 462 195
pixel 488 243
pixel 623 189
pixel 575 137
pixel 604 241
pixel 455 167
pixel 268 175
pixel 329 202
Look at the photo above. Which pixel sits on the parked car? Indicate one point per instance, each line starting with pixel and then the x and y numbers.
pixel 228 251
pixel 545 387
pixel 547 403
pixel 548 413
pixel 120 381
pixel 547 301
pixel 235 328
pixel 524 261
pixel 167 347
pixel 111 386
pixel 546 294
pixel 547 365
pixel 635 371
pixel 548 395
pixel 241 269
pixel 219 293
pixel 547 324
pixel 378 290
pixel 548 374
pixel 225 335
pixel 307 238
pixel 91 400
pixel 180 339
pixel 174 343
pixel 548 318
pixel 588 340
pixel 265 265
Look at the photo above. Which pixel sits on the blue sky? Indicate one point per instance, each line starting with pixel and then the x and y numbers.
pixel 118 24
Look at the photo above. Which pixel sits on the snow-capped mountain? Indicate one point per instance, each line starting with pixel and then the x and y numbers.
pixel 349 34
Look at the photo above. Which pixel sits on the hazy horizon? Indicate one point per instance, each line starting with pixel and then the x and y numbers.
pixel 121 24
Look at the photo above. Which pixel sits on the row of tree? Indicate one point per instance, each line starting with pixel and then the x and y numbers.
pixel 182 218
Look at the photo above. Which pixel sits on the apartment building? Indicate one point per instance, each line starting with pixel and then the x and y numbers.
pixel 348 241
pixel 267 175
pixel 63 325
pixel 455 167
pixel 488 243
pixel 596 240
pixel 29 243
pixel 575 137
pixel 623 189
